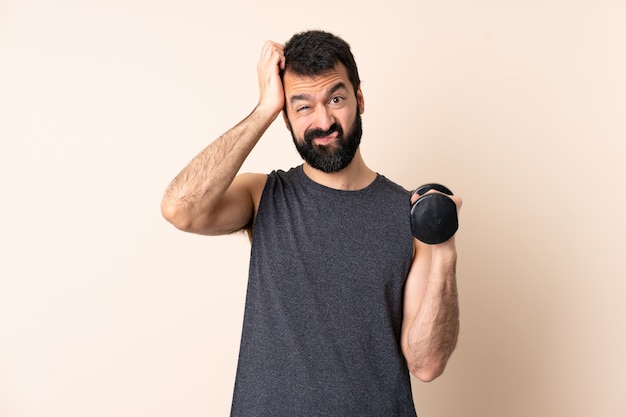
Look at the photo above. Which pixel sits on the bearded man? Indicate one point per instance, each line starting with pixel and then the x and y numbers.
pixel 343 303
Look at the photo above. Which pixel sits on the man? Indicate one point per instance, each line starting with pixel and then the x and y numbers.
pixel 342 301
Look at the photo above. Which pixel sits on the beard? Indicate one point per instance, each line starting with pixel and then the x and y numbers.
pixel 335 156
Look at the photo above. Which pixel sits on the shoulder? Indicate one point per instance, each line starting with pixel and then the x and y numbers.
pixel 280 179
pixel 393 188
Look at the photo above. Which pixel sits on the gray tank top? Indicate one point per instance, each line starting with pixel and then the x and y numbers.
pixel 323 314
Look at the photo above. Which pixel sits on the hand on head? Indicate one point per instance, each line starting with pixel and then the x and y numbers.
pixel 271 62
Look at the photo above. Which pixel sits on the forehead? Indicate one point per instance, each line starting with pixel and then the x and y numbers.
pixel 298 84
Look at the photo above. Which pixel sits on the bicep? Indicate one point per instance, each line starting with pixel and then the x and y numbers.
pixel 237 207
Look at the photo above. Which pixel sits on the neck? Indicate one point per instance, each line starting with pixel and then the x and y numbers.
pixel 355 176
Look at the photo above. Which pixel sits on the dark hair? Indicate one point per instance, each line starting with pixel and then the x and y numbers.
pixel 316 52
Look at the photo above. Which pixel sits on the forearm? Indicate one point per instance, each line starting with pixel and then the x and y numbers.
pixel 431 336
pixel 198 188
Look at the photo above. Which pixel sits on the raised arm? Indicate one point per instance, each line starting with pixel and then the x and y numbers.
pixel 430 325
pixel 207 196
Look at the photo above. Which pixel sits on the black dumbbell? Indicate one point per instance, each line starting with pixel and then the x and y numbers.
pixel 434 216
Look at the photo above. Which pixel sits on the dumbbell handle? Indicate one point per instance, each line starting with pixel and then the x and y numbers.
pixel 432 186
pixel 433 216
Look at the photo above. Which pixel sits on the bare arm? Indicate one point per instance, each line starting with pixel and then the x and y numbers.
pixel 207 196
pixel 430 325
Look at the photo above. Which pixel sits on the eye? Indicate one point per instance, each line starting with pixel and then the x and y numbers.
pixel 302 107
pixel 336 100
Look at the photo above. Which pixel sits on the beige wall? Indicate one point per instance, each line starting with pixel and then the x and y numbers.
pixel 519 106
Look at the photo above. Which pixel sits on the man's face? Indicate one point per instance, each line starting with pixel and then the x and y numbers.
pixel 324 117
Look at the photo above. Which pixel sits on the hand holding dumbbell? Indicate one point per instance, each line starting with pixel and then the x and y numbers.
pixel 434 217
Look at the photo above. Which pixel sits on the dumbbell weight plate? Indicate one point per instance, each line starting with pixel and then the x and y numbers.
pixel 433 216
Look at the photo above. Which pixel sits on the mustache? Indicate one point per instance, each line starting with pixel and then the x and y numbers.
pixel 311 134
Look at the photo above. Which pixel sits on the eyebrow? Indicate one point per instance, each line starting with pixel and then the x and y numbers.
pixel 332 90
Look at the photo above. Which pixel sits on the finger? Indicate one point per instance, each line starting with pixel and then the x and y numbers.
pixel 415 194
pixel 272 57
pixel 279 55
pixel 282 61
pixel 458 200
pixel 270 48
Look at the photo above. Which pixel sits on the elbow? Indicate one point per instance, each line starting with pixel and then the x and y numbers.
pixel 426 367
pixel 183 217
pixel 428 372
pixel 175 215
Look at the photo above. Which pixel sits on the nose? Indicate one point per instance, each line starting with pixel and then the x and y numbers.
pixel 323 118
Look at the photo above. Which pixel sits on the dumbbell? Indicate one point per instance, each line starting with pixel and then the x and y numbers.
pixel 434 216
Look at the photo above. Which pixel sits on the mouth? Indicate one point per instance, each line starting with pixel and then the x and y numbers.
pixel 325 140
pixel 321 137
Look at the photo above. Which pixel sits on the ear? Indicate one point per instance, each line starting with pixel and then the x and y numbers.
pixel 360 100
